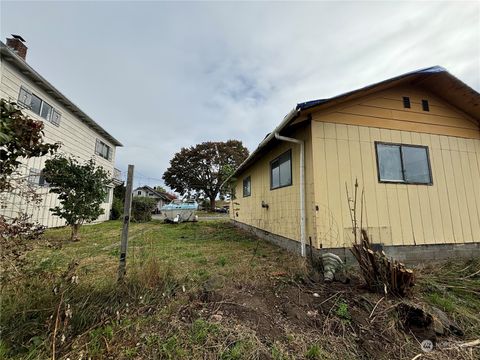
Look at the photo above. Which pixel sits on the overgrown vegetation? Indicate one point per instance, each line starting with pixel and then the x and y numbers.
pixel 142 208
pixel 209 291
pixel 21 138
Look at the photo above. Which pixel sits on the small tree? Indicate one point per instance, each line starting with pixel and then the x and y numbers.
pixel 81 189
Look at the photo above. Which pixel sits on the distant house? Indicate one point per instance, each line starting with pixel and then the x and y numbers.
pixel 412 141
pixel 63 121
pixel 161 197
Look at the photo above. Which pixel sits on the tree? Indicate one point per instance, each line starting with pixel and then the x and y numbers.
pixel 81 189
pixel 160 189
pixel 202 169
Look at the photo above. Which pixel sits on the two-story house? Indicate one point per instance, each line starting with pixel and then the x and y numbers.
pixel 64 122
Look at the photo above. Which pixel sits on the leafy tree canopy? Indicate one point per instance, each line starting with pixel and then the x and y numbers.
pixel 81 189
pixel 201 169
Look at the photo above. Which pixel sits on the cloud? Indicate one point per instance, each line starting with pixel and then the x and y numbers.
pixel 161 76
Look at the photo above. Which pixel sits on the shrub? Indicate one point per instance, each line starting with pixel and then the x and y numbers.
pixel 142 208
pixel 117 208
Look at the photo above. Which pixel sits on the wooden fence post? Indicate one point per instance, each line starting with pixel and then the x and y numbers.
pixel 126 222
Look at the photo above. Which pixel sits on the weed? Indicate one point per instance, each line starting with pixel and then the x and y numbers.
pixel 130 353
pixel 313 353
pixel 201 330
pixel 171 349
pixel 201 261
pixel 342 311
pixel 442 301
pixel 239 350
pixel 222 261
pixel 278 353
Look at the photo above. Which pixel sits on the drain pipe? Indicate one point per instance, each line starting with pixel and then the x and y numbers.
pixel 302 187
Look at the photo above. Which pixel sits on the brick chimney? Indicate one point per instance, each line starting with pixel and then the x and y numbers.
pixel 16 43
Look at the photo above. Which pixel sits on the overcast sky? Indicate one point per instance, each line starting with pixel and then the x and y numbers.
pixel 160 76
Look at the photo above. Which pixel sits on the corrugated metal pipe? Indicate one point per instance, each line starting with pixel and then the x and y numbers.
pixel 302 188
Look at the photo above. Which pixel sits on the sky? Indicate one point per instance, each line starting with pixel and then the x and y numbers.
pixel 160 76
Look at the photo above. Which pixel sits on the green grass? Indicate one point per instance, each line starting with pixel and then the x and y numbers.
pixel 158 311
pixel 166 263
pixel 454 287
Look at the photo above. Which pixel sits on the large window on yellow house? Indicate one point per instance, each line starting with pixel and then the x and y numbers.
pixel 281 171
pixel 407 164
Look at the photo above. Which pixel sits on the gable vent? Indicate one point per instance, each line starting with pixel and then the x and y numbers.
pixel 425 106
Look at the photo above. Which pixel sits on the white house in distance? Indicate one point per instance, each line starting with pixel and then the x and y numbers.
pixel 161 197
pixel 64 122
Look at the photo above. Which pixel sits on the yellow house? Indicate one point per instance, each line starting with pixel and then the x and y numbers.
pixel 413 143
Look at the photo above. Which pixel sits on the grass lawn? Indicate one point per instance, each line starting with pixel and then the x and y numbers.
pixel 207 290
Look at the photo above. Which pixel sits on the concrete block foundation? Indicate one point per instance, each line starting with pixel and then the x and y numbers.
pixel 408 254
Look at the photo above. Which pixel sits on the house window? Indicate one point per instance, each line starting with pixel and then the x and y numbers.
pixel 103 150
pixel 406 102
pixel 24 97
pixel 398 163
pixel 31 101
pixel 247 186
pixel 281 171
pixel 56 116
pixel 106 200
pixel 425 106
pixel 46 112
pixel 36 177
pixel 36 104
pixel 139 192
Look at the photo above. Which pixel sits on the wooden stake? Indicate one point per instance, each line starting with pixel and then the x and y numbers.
pixel 122 265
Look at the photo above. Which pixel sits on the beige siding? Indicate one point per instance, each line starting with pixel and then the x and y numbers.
pixel 75 136
pixel 282 216
pixel 384 110
pixel 396 214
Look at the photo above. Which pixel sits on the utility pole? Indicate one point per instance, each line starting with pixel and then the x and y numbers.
pixel 126 222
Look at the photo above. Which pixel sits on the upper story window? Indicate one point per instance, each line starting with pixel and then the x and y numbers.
pixel 406 102
pixel 103 150
pixel 38 106
pixel 247 186
pixel 408 164
pixel 139 192
pixel 281 171
pixel 425 105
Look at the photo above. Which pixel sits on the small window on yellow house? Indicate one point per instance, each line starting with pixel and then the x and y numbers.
pixel 281 171
pixel 247 186
pixel 399 163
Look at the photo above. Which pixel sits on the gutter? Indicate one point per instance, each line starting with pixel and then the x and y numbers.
pixel 302 188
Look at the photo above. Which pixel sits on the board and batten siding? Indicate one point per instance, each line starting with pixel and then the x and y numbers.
pixel 76 137
pixel 283 214
pixel 343 140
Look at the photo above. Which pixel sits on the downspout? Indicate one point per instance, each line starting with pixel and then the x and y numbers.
pixel 302 188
